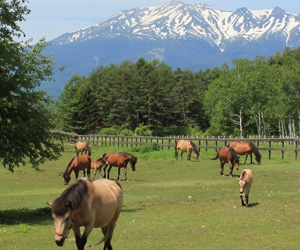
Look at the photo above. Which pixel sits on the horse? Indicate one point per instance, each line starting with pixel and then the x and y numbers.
pixel 245 182
pixel 77 163
pixel 97 166
pixel 90 205
pixel 227 155
pixel 186 146
pixel 246 148
pixel 82 147
pixel 119 160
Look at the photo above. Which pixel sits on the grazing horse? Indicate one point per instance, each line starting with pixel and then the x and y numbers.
pixel 245 182
pixel 119 160
pixel 90 205
pixel 186 146
pixel 82 147
pixel 97 166
pixel 77 163
pixel 227 155
pixel 246 148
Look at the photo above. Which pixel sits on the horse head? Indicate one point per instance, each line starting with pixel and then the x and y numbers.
pixel 62 216
pixel 67 178
pixel 133 161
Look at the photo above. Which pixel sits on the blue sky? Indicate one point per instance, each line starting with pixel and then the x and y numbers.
pixel 53 18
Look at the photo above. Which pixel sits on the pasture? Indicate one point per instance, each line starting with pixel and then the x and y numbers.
pixel 168 204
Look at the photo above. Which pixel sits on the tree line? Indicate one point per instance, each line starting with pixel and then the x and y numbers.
pixel 253 97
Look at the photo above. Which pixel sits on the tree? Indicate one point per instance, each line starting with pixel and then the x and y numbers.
pixel 25 120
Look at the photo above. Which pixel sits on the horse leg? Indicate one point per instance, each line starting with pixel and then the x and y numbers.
pixel 108 233
pixel 189 155
pixel 108 171
pixel 251 158
pixel 76 173
pixel 246 156
pixel 231 168
pixel 222 168
pixel 176 153
pixel 125 173
pixel 104 171
pixel 81 240
pixel 181 155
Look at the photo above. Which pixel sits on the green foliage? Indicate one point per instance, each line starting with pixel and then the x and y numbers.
pixel 25 120
pixel 142 130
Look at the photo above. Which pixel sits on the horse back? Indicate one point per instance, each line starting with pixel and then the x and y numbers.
pixel 107 201
pixel 241 148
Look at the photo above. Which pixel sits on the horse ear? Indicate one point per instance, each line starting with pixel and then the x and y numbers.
pixel 50 203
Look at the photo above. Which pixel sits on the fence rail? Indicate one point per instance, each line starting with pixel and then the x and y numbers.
pixel 204 143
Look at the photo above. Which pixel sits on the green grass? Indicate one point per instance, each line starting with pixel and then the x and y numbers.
pixel 168 204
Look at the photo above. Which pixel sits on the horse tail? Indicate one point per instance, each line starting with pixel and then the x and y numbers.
pixel 119 184
pixel 88 149
pixel 216 157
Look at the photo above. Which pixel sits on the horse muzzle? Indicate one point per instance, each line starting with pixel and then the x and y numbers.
pixel 60 242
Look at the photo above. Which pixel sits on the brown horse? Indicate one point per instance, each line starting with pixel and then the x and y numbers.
pixel 186 146
pixel 246 148
pixel 97 166
pixel 90 205
pixel 77 163
pixel 82 147
pixel 119 160
pixel 227 155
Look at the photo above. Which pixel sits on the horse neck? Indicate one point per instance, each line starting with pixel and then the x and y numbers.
pixel 69 168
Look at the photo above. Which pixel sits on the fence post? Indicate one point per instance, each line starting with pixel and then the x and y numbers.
pixel 282 149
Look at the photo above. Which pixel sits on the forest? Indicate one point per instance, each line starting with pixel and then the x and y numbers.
pixel 258 97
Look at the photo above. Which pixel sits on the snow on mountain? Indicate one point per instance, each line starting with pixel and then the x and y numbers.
pixel 194 36
pixel 177 20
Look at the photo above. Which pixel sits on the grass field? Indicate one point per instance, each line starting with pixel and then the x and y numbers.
pixel 168 204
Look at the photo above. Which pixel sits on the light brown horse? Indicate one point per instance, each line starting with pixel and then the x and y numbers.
pixel 227 155
pixel 246 148
pixel 186 146
pixel 82 147
pixel 245 182
pixel 77 163
pixel 97 166
pixel 119 160
pixel 90 205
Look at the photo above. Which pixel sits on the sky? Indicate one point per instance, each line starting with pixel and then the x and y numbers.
pixel 52 18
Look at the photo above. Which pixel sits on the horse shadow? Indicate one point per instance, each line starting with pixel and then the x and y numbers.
pixel 35 216
pixel 254 204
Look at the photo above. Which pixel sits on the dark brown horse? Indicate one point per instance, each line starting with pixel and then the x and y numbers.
pixel 119 160
pixel 82 147
pixel 77 163
pixel 187 146
pixel 227 155
pixel 97 166
pixel 246 148
pixel 90 205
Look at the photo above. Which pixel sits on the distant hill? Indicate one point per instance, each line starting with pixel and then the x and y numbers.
pixel 194 36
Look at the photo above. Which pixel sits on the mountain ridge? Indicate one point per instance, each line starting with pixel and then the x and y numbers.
pixel 194 36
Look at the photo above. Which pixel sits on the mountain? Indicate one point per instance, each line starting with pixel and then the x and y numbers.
pixel 194 36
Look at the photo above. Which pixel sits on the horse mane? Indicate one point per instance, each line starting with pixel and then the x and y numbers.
pixel 255 149
pixel 69 165
pixel 70 198
pixel 133 158
pixel 196 150
pixel 234 155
